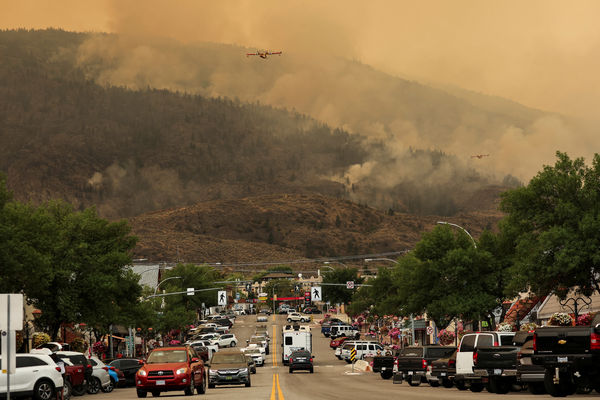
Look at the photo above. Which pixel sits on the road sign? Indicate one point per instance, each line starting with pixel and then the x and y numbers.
pixel 316 293
pixel 353 354
pixel 190 291
pixel 222 298
pixel 429 330
pixel 248 287
pixel 15 311
pixel 350 285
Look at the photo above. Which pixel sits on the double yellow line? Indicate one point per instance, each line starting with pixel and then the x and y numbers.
pixel 276 388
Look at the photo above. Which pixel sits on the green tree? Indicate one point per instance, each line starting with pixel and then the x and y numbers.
pixel 554 223
pixel 340 294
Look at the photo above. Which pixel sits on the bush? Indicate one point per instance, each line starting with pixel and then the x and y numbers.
pixel 78 344
pixel 40 338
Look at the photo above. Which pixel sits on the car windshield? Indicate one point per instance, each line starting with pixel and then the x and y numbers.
pixel 252 351
pixel 228 358
pixel 167 356
pixel 300 354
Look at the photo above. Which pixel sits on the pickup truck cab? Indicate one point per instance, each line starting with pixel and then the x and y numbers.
pixel 442 371
pixel 570 356
pixel 465 357
pixel 413 361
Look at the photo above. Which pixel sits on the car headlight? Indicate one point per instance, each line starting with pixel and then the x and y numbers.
pixel 142 372
pixel 181 371
pixel 211 372
pixel 244 370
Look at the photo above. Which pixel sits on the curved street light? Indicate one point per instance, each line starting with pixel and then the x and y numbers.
pixel 337 262
pixel 459 227
pixel 164 280
pixel 381 259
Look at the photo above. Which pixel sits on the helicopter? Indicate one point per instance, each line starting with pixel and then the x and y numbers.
pixel 264 54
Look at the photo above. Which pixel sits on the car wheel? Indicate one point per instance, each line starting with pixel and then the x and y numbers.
pixel 94 385
pixel 211 385
pixel 460 385
pixel 302 320
pixel 536 388
pixel 476 387
pixel 434 383
pixel 387 374
pixel 289 320
pixel 311 370
pixel 556 390
pixel 110 386
pixel 79 390
pixel 141 393
pixel 202 388
pixel 447 383
pixel 232 344
pixel 191 389
pixel 155 394
pixel 67 390
pixel 291 371
pixel 43 390
pixel 248 384
pixel 412 381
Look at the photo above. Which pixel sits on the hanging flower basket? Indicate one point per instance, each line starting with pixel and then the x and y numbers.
pixel 446 337
pixel 505 327
pixel 99 348
pixel 560 319
pixel 40 338
pixel 585 319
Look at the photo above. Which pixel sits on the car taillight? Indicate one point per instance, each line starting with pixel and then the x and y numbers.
pixel 535 342
pixel 57 368
pixel 451 363
pixel 594 341
pixel 474 358
pixel 311 359
pixel 291 360
pixel 424 363
pixel 105 368
pixel 112 368
pixel 496 344
pixel 89 366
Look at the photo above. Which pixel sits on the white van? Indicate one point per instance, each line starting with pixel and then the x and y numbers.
pixel 364 348
pixel 344 330
pixel 295 339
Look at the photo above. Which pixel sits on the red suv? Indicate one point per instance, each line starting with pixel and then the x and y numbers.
pixel 171 368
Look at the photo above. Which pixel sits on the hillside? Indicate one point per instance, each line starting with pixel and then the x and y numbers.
pixel 281 228
pixel 83 121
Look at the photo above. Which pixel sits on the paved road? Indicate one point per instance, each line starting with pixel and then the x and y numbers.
pixel 329 381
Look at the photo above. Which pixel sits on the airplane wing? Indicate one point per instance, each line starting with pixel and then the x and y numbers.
pixel 276 52
pixel 251 54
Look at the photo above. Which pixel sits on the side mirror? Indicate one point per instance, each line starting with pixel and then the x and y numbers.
pixel 195 359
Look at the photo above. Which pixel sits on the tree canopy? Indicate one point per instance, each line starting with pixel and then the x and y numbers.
pixel 554 223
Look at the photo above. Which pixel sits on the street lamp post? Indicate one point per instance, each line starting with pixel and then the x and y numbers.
pixel 381 259
pixel 164 280
pixel 337 262
pixel 459 227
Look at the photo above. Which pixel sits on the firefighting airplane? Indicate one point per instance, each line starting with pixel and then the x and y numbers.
pixel 264 54
pixel 480 156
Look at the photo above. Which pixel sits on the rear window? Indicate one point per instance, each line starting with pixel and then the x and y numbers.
pixel 507 340
pixel 440 352
pixel 467 343
pixel 485 341
pixel 75 359
pixel 288 341
pixel 412 352
pixel 228 358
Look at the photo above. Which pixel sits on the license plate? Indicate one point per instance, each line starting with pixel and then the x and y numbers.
pixel 160 383
pixel 562 359
pixel 383 368
pixel 442 374
pixel 228 378
pixel 410 372
pixel 497 372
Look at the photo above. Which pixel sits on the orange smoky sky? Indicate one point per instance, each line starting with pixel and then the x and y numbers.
pixel 544 54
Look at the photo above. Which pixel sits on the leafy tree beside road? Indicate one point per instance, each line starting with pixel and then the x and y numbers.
pixel 554 223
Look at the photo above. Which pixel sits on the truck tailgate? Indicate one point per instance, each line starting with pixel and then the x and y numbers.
pixel 563 340
pixel 498 357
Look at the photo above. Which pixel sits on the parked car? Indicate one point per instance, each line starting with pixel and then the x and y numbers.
pixel 344 330
pixel 363 348
pixel 326 326
pixel 570 356
pixel 442 371
pixel 129 367
pixel 78 359
pixel 73 375
pixel 413 361
pixel 337 342
pixel 170 369
pixel 465 377
pixel 528 373
pixel 283 309
pixel 36 374
pixel 497 365
pixel 312 310
pixel 263 340
pixel 212 347
pixel 100 377
pixel 202 351
pixel 226 340
pixel 262 318
pixel 228 367
pixel 300 360
pixel 385 365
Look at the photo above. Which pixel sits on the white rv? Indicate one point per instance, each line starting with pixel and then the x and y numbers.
pixel 293 339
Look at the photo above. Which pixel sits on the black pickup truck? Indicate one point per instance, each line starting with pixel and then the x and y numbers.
pixel 414 360
pixel 443 371
pixel 570 356
pixel 384 365
pixel 497 367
